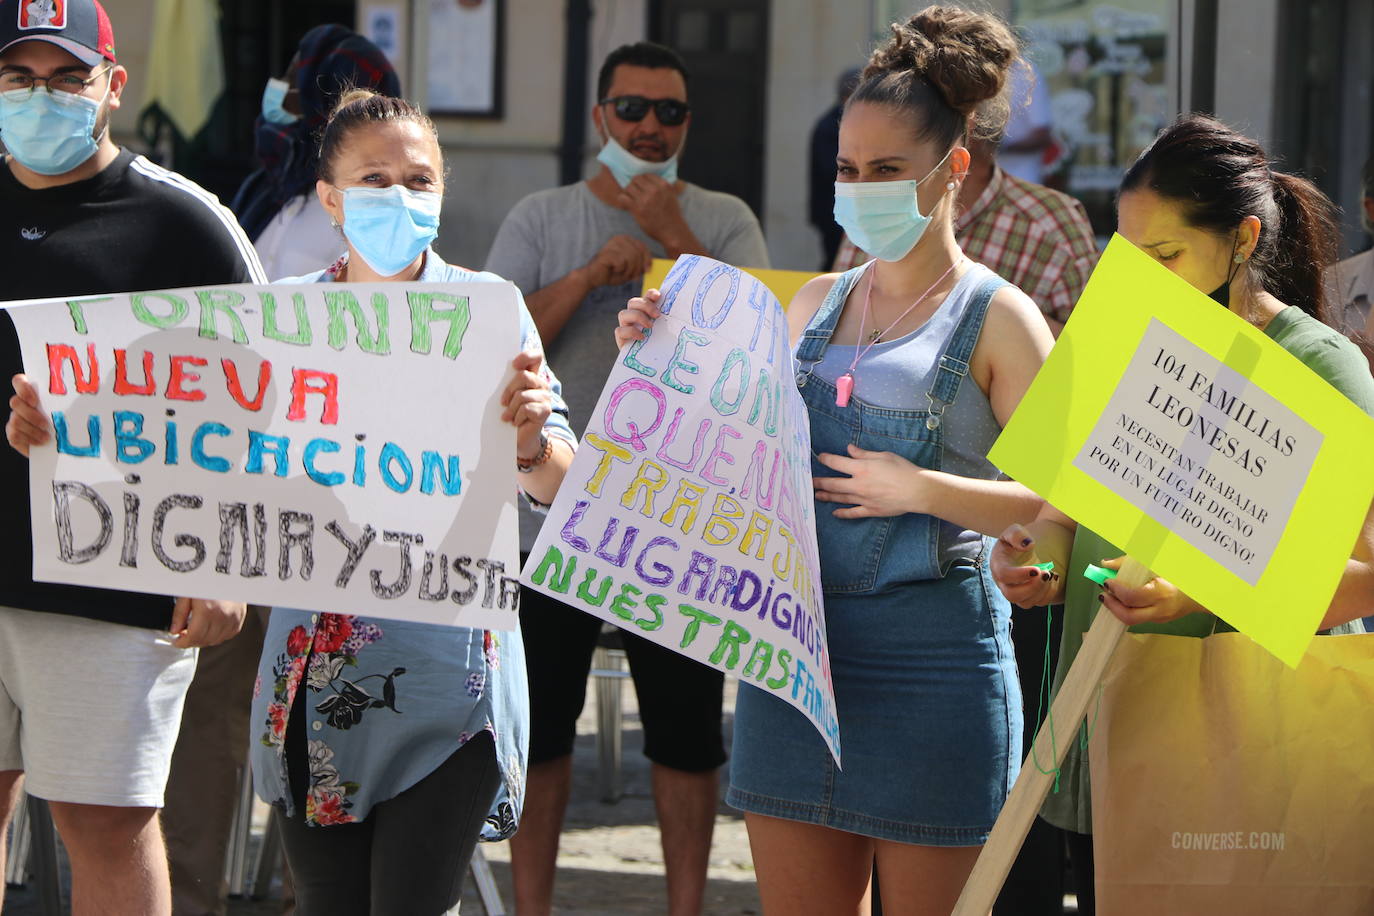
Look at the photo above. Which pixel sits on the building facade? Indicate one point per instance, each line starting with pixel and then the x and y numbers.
pixel 1297 74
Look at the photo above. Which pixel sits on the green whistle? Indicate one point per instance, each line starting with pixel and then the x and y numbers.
pixel 1098 574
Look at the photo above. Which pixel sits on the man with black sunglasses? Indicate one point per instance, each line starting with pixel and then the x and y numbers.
pixel 578 253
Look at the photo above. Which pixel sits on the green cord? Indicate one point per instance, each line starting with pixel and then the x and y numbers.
pixel 1085 731
pixel 1046 677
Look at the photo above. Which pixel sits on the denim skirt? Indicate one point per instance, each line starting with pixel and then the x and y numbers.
pixel 929 710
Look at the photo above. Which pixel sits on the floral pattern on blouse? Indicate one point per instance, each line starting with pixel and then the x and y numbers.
pixel 328 658
pixel 364 717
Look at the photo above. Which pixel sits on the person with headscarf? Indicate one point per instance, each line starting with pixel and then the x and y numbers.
pixel 276 204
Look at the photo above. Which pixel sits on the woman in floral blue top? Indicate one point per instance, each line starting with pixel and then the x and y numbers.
pixel 387 747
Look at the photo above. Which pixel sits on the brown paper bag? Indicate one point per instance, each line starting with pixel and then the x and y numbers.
pixel 1224 782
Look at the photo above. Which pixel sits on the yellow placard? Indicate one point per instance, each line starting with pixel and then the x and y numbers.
pixel 781 283
pixel 1181 432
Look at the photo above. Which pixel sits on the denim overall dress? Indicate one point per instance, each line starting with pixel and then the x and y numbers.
pixel 925 678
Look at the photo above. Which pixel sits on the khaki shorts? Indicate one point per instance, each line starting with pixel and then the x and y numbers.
pixel 88 710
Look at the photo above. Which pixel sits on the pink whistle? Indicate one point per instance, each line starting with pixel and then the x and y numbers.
pixel 844 387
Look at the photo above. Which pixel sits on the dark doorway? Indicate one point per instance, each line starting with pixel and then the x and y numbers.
pixel 725 46
pixel 259 37
pixel 1311 60
pixel 1324 67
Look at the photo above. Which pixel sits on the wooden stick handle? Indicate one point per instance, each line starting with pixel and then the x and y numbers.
pixel 1028 794
pixel 1133 574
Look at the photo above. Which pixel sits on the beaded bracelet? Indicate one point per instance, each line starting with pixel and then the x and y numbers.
pixel 545 452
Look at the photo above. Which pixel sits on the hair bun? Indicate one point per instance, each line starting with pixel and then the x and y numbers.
pixel 350 97
pixel 965 55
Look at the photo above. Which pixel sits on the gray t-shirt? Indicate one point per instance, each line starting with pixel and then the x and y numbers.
pixel 551 233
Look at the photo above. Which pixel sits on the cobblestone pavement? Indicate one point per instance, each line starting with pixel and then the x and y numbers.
pixel 609 862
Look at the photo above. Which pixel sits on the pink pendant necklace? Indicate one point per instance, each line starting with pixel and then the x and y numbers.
pixel 844 385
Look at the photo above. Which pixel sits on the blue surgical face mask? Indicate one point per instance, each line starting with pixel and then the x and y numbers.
pixel 625 165
pixel 273 94
pixel 48 132
pixel 390 227
pixel 882 217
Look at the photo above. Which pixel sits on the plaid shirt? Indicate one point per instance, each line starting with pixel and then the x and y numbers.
pixel 1034 237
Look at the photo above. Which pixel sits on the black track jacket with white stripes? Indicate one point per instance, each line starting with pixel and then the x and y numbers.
pixel 134 226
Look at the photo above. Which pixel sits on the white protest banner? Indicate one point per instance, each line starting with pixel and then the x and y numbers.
pixel 687 515
pixel 298 446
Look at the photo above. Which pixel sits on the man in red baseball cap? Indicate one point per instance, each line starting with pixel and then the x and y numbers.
pixel 62 127
pixel 80 28
pixel 92 681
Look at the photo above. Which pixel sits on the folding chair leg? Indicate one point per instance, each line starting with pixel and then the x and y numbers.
pixel 486 884
pixel 47 878
pixel 17 864
pixel 236 860
pixel 268 853
pixel 606 669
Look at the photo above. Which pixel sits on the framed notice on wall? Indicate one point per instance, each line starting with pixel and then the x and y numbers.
pixel 383 25
pixel 465 40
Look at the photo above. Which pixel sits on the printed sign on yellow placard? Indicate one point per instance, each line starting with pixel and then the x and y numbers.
pixel 1181 432
pixel 781 283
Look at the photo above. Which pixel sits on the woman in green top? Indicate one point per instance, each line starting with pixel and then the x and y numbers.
pixel 1207 204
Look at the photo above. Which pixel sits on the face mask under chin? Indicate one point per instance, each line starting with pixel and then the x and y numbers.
pixel 625 165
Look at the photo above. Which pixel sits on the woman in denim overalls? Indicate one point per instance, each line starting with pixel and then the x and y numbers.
pixel 901 421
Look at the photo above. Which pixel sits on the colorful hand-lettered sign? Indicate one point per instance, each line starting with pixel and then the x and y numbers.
pixel 687 516
pixel 1181 432
pixel 783 284
pixel 298 446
